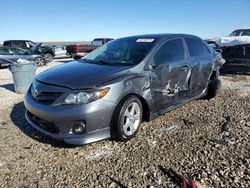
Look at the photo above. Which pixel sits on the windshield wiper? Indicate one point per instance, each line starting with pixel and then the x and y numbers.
pixel 105 62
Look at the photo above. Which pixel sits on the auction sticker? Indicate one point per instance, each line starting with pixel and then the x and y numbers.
pixel 145 40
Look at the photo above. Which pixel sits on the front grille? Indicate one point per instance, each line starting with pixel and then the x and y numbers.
pixel 48 126
pixel 47 97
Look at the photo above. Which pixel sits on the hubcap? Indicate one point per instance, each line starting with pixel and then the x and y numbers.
pixel 48 57
pixel 39 61
pixel 131 119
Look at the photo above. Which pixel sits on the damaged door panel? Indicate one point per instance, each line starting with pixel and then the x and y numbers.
pixel 170 76
pixel 201 61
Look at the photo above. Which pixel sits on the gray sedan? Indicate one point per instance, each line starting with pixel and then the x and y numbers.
pixel 109 92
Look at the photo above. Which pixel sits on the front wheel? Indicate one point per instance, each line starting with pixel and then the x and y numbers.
pixel 48 57
pixel 127 119
pixel 40 61
pixel 213 88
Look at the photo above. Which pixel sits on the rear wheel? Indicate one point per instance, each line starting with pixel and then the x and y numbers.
pixel 48 57
pixel 127 119
pixel 213 88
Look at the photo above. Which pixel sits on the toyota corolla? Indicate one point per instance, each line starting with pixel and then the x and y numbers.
pixel 109 92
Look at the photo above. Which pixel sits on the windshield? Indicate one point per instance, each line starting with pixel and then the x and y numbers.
pixel 30 44
pixel 240 32
pixel 126 51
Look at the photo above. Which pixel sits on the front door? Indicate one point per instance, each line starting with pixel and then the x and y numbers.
pixel 170 74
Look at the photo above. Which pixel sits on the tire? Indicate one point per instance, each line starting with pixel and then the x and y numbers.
pixel 126 123
pixel 213 88
pixel 40 61
pixel 48 57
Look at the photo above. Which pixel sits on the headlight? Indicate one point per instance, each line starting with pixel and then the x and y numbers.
pixel 83 97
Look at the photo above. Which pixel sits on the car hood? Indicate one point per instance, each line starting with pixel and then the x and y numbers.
pixel 234 40
pixel 34 48
pixel 79 75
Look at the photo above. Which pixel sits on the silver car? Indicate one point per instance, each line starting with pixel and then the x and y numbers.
pixel 109 92
pixel 13 54
pixel 60 51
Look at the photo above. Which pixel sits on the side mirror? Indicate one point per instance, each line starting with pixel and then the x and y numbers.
pixel 76 57
pixel 218 50
pixel 150 67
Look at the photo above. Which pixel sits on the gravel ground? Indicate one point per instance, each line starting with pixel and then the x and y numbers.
pixel 188 139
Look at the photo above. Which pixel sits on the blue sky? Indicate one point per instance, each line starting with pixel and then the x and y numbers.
pixel 57 20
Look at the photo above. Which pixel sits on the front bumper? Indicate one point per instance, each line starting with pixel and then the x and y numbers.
pixel 97 116
pixel 236 66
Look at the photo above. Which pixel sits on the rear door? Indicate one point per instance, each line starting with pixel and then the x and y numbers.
pixel 170 74
pixel 200 60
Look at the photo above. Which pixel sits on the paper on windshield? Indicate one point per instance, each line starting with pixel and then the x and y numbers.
pixel 145 40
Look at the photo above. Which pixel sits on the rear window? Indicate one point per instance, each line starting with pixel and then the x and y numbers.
pixel 195 47
pixel 171 51
pixel 97 42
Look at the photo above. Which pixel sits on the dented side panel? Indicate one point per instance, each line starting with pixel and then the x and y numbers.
pixel 169 84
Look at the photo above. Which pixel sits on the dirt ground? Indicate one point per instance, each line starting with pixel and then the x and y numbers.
pixel 188 139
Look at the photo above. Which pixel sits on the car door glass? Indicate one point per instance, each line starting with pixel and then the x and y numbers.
pixel 4 51
pixel 170 52
pixel 195 47
pixel 17 51
pixel 206 48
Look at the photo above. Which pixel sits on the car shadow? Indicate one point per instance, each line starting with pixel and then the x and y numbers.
pixel 18 119
pixel 9 87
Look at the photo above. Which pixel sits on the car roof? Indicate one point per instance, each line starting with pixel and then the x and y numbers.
pixel 18 40
pixel 163 36
pixel 103 38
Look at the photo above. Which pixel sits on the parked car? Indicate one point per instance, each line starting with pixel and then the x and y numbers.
pixel 110 91
pixel 77 50
pixel 59 51
pixel 13 54
pixel 236 52
pixel 44 51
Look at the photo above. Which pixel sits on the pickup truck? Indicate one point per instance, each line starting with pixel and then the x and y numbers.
pixel 77 50
pixel 236 52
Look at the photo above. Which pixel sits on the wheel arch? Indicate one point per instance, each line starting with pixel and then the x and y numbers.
pixel 49 52
pixel 145 105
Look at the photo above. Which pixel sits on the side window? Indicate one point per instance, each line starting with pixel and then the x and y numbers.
pixel 6 44
pixel 195 47
pixel 169 52
pixel 17 51
pixel 207 51
pixel 4 51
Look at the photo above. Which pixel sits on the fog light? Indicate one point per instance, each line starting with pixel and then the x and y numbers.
pixel 79 127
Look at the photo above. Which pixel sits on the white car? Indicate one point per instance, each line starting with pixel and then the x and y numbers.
pixel 237 37
pixel 60 51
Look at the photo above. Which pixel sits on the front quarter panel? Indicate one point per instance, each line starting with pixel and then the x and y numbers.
pixel 138 84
